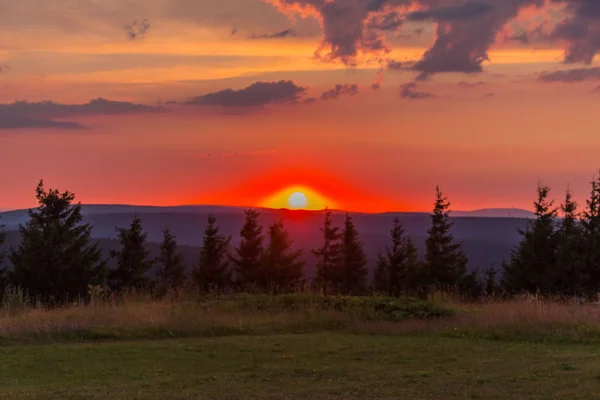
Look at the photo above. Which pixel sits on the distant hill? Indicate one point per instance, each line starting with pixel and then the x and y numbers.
pixel 487 239
pixel 495 213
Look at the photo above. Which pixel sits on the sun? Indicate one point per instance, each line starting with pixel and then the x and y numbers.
pixel 298 198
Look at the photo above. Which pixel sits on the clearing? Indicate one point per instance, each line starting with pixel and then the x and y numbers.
pixel 304 366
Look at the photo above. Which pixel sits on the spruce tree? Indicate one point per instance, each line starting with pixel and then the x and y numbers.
pixel 406 275
pixel 329 257
pixel 4 279
pixel 132 259
pixel 445 260
pixel 171 271
pixel 381 275
pixel 213 272
pixel 55 261
pixel 530 269
pixel 353 272
pixel 491 282
pixel 283 266
pixel 566 274
pixel 248 262
pixel 590 222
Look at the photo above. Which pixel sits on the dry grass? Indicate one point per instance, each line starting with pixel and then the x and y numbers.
pixel 140 317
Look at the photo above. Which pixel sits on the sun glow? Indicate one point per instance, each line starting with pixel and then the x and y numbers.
pixel 298 198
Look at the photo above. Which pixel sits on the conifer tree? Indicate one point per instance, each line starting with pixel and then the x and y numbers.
pixel 283 266
pixel 4 280
pixel 329 257
pixel 491 281
pixel 171 271
pixel 55 261
pixel 590 223
pixel 213 272
pixel 132 259
pixel 248 262
pixel 353 270
pixel 530 269
pixel 566 274
pixel 381 275
pixel 446 263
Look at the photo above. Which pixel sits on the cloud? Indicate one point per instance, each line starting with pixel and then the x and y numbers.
pixel 16 122
pixel 47 114
pixel 472 9
pixel 378 80
pixel 256 95
pixel 462 44
pixel 349 27
pixel 138 29
pixel 394 65
pixel 339 90
pixel 571 75
pixel 276 35
pixel 409 91
pixel 469 85
pixel 581 30
pixel 466 29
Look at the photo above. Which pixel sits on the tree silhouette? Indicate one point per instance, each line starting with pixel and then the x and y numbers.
pixel 590 223
pixel 353 271
pixel 213 273
pixel 171 271
pixel 531 264
pixel 55 261
pixel 566 274
pixel 132 259
pixel 248 263
pixel 283 266
pixel 4 279
pixel 381 275
pixel 445 260
pixel 329 257
pixel 491 281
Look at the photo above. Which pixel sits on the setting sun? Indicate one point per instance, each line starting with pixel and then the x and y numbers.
pixel 298 198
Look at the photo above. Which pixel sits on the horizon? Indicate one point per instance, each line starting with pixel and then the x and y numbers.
pixel 300 210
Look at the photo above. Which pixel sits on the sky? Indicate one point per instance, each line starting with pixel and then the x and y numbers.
pixel 366 105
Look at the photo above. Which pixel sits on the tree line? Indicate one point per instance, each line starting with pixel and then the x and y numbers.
pixel 559 254
pixel 57 261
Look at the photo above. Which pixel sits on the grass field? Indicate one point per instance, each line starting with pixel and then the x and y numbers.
pixel 307 366
pixel 300 347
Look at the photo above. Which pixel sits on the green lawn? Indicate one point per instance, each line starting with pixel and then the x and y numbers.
pixel 311 366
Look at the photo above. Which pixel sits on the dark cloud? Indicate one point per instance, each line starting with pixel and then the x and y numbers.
pixel 469 10
pixel 571 75
pixel 409 91
pixel 339 90
pixel 469 85
pixel 349 27
pixel 378 80
pixel 47 114
pixel 394 65
pixel 16 122
pixel 138 29
pixel 466 29
pixel 256 95
pixel 276 35
pixel 462 44
pixel 581 30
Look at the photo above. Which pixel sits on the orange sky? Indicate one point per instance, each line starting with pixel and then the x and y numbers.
pixel 485 137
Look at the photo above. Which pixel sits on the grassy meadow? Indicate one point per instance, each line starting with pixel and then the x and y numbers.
pixel 299 346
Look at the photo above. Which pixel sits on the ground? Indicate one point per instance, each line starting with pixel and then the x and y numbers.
pixel 304 366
